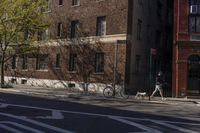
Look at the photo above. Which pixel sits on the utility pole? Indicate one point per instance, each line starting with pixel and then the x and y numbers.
pixel 115 62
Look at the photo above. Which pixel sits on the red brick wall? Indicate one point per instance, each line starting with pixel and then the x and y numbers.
pixel 116 12
pixel 182 46
pixel 63 73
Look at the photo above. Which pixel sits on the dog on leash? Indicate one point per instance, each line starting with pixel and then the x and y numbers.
pixel 140 95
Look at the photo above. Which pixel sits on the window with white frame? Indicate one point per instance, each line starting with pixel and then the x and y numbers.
pixel 72 62
pixel 194 6
pixel 194 18
pixel 75 2
pixel 75 25
pixel 42 62
pixel 24 62
pixel 101 26
pixel 99 62
pixel 60 2
pixel 14 61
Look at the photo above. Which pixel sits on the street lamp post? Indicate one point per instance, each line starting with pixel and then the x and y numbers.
pixel 115 63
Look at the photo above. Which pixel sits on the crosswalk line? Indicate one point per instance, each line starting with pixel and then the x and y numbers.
pixel 173 127
pixel 37 123
pixel 7 128
pixel 146 129
pixel 21 126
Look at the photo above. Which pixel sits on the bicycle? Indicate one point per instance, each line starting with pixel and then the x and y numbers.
pixel 109 91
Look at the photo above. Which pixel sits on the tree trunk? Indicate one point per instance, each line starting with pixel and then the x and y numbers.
pixel 2 70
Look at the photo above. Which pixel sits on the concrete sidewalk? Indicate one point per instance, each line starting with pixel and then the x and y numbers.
pixel 64 94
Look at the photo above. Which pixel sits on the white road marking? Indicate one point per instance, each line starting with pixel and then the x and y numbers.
pixel 37 123
pixel 10 129
pixel 174 127
pixel 90 114
pixel 56 114
pixel 3 105
pixel 102 115
pixel 147 129
pixel 21 126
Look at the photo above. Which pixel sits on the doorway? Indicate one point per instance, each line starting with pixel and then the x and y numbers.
pixel 193 75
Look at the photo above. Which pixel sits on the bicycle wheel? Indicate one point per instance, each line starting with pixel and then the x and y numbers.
pixel 108 91
pixel 124 94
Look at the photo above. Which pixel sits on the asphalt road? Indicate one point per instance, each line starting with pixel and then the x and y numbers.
pixel 25 114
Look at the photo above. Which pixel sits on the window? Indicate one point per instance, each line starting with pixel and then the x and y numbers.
pixel 194 18
pixel 101 26
pixel 43 35
pixel 42 62
pixel 57 60
pixel 159 9
pixel 75 29
pixel 75 2
pixel 72 62
pixel 49 2
pixel 60 2
pixel 139 29
pixel 14 62
pixel 99 62
pixel 194 23
pixel 194 6
pixel 158 39
pixel 137 64
pixel 24 62
pixel 59 29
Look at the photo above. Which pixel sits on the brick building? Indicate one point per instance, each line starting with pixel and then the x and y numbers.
pixel 87 39
pixel 80 45
pixel 186 50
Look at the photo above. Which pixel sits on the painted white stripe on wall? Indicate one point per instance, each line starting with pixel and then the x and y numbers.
pixel 93 87
pixel 91 40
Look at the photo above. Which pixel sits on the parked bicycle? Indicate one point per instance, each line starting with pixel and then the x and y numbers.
pixel 111 91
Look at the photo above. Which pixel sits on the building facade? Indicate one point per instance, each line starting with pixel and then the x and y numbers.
pixel 186 42
pixel 89 39
pixel 150 47
pixel 84 38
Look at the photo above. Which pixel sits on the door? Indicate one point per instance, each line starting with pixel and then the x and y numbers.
pixel 194 75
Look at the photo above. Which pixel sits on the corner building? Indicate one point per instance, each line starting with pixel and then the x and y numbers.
pixel 186 48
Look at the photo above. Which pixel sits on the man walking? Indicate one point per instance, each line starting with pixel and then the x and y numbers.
pixel 159 85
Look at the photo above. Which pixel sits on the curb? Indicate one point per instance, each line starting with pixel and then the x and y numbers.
pixel 80 96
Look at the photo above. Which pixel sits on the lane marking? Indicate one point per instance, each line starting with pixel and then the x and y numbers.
pixel 95 114
pixel 56 114
pixel 174 127
pixel 3 105
pixel 21 126
pixel 10 129
pixel 147 129
pixel 40 124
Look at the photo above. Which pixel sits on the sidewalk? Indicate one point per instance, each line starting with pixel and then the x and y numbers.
pixel 64 94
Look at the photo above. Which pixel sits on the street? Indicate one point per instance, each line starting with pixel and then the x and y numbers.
pixel 26 114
